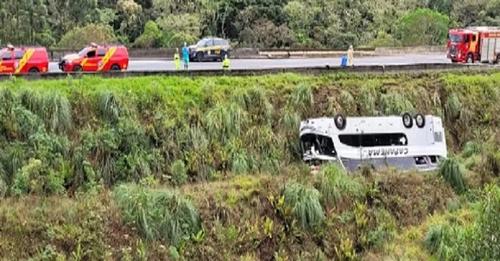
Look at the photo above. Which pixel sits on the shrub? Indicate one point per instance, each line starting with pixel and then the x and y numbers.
pixel 158 214
pixel 334 184
pixel 179 172
pixel 451 171
pixel 305 205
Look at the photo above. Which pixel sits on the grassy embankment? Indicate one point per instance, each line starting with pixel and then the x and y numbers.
pixel 219 175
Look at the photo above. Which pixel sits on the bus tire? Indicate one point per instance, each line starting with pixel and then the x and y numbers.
pixel 407 120
pixel 419 120
pixel 340 121
pixel 470 58
pixel 115 67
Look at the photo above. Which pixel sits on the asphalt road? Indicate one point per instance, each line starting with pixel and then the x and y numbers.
pixel 159 64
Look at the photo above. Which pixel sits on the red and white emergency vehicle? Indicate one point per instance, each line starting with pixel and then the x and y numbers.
pixel 22 60
pixel 474 44
pixel 95 58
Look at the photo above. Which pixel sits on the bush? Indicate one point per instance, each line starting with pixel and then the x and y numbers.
pixel 179 172
pixel 305 205
pixel 334 184
pixel 451 171
pixel 158 214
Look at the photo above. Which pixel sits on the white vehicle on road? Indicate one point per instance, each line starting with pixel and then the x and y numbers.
pixel 404 142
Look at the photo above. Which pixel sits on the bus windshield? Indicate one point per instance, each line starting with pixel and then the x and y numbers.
pixel 455 38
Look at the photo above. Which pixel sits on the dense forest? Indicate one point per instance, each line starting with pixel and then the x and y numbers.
pixel 247 23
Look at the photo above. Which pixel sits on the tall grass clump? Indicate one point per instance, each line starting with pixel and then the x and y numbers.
pixel 56 112
pixel 225 121
pixel 256 103
pixel 452 107
pixel 109 107
pixel 304 203
pixel 395 104
pixel 179 172
pixel 335 184
pixel 451 171
pixel 52 107
pixel 158 214
pixel 301 99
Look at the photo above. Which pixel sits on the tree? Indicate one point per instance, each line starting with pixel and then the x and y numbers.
pixel 422 27
pixel 81 36
pixel 180 28
pixel 151 37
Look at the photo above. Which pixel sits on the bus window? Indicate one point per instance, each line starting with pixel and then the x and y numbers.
pixel 323 145
pixel 374 140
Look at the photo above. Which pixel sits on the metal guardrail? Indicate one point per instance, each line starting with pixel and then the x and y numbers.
pixel 253 72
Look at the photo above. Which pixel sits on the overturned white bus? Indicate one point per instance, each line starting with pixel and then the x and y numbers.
pixel 404 142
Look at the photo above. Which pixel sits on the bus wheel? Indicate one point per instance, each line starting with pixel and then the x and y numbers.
pixel 115 67
pixel 34 70
pixel 470 58
pixel 340 121
pixel 407 120
pixel 420 120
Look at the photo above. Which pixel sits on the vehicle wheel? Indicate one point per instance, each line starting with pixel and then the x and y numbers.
pixel 407 120
pixel 199 56
pixel 470 58
pixel 420 120
pixel 222 55
pixel 497 60
pixel 115 67
pixel 34 70
pixel 340 121
pixel 77 68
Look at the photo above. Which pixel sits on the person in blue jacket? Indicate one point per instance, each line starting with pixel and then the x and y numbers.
pixel 185 56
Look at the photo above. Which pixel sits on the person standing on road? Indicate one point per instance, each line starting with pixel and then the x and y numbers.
pixel 226 63
pixel 177 59
pixel 350 56
pixel 185 56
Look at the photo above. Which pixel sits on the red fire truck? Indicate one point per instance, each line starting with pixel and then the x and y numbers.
pixel 96 58
pixel 473 44
pixel 22 60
